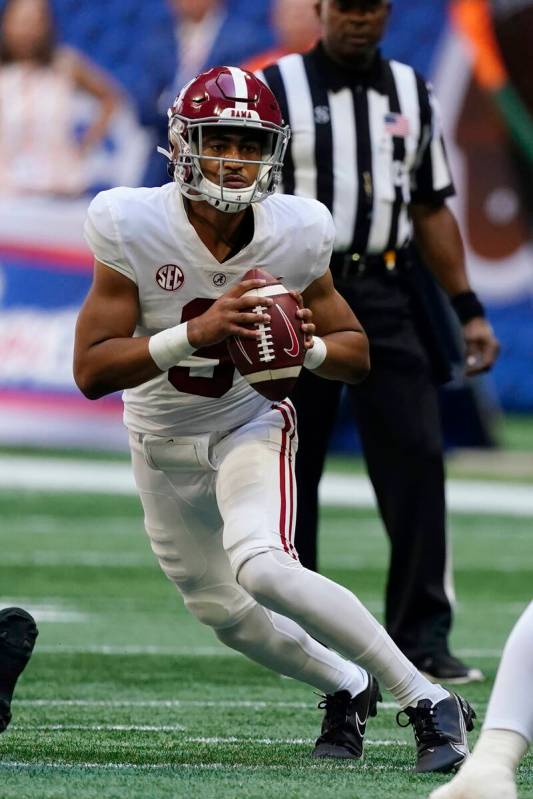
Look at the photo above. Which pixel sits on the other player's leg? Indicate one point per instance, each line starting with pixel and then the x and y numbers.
pixel 18 633
pixel 184 526
pixel 256 496
pixel 508 728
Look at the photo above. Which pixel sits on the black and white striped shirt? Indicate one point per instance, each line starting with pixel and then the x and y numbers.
pixel 365 144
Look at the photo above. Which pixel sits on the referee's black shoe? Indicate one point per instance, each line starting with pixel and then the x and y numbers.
pixel 18 632
pixel 440 732
pixel 445 667
pixel 344 723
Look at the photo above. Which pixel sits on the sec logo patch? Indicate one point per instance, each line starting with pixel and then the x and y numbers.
pixel 170 277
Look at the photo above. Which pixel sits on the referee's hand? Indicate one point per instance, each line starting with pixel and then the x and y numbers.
pixel 482 346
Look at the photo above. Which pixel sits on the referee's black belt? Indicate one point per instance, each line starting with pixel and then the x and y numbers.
pixel 348 265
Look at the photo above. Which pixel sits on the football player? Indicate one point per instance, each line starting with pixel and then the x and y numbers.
pixel 508 728
pixel 213 460
pixel 18 633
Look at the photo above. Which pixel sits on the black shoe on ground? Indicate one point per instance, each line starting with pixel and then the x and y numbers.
pixel 443 667
pixel 18 632
pixel 344 723
pixel 440 732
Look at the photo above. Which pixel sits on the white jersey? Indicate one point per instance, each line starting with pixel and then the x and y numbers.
pixel 145 234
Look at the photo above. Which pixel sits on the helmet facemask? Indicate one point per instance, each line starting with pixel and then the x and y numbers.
pixel 186 138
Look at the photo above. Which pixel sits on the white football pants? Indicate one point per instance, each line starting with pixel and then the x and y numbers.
pixel 178 481
pixel 220 512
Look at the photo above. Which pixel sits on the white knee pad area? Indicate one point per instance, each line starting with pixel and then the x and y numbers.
pixel 218 606
pixel 269 578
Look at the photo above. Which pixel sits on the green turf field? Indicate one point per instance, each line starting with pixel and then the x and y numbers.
pixel 128 697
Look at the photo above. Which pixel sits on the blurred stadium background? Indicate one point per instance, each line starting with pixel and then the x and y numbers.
pixel 113 632
pixel 45 268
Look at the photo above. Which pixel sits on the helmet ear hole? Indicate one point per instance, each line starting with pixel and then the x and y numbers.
pixel 171 168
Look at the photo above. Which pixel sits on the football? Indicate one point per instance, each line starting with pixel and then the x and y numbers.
pixel 271 363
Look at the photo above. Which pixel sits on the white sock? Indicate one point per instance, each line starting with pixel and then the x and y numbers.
pixel 283 646
pixel 332 614
pixel 355 681
pixel 409 691
pixel 511 702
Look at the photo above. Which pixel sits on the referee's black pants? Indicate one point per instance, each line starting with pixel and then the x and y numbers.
pixel 397 415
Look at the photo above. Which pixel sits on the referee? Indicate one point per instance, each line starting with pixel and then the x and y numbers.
pixel 366 142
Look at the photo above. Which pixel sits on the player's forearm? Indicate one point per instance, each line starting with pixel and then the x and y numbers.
pixel 347 357
pixel 439 241
pixel 114 365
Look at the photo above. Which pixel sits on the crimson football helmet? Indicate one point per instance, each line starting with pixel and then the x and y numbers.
pixel 226 96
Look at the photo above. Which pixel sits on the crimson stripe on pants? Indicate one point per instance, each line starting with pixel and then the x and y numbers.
pixel 292 476
pixel 288 432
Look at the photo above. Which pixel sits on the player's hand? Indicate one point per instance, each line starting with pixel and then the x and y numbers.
pixel 306 315
pixel 482 346
pixel 231 315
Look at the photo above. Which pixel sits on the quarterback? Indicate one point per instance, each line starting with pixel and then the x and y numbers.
pixel 213 460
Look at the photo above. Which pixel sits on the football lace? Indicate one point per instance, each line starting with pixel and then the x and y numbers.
pixel 265 344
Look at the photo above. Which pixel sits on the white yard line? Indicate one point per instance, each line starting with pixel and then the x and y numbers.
pixel 354 491
pixel 97 560
pixel 98 728
pixel 176 703
pixel 133 649
pixel 280 741
pixel 232 739
pixel 113 650
pixel 178 767
pixel 45 611
pixel 58 474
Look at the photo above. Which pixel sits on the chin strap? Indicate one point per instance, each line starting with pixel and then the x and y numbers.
pixel 171 166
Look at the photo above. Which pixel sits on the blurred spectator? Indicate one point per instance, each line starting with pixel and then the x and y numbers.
pixel 208 33
pixel 39 79
pixel 199 23
pixel 296 25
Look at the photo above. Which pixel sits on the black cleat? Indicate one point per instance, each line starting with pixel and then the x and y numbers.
pixel 18 632
pixel 444 667
pixel 344 723
pixel 440 732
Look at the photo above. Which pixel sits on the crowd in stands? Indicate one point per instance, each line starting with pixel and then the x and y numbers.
pixel 129 57
pixel 126 52
pixel 39 78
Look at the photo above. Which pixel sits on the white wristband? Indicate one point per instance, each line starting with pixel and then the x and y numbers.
pixel 170 346
pixel 316 356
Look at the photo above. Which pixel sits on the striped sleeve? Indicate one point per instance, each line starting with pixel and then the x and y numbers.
pixel 431 179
